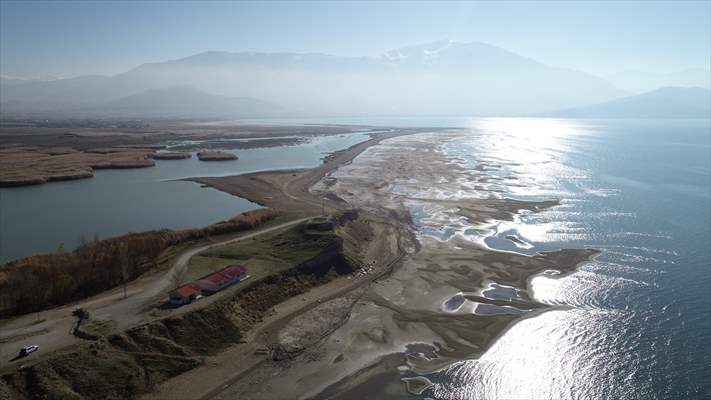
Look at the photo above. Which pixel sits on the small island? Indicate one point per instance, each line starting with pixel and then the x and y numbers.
pixel 171 155
pixel 215 156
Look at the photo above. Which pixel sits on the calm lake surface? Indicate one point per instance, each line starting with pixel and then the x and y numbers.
pixel 38 219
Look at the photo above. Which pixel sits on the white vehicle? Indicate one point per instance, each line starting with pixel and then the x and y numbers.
pixel 25 351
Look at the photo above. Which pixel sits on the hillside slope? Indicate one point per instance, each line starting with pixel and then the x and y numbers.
pixel 668 102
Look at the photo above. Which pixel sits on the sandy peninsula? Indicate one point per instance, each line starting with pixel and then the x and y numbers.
pixel 410 298
pixel 429 310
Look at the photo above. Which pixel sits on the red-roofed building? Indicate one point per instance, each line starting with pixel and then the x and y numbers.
pixel 185 294
pixel 223 278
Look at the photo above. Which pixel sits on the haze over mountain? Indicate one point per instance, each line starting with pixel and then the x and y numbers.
pixel 179 101
pixel 440 78
pixel 668 102
pixel 643 81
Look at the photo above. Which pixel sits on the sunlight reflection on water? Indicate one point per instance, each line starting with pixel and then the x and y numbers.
pixel 609 338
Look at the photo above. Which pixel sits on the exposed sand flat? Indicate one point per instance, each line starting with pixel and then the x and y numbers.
pixel 429 311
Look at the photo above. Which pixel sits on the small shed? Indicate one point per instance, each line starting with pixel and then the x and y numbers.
pixel 185 294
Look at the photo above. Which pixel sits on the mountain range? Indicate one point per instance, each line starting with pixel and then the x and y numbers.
pixel 439 78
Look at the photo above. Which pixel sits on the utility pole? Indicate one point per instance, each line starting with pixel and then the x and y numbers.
pixel 323 208
pixel 124 267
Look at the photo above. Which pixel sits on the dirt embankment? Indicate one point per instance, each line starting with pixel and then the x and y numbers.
pixel 132 362
pixel 37 282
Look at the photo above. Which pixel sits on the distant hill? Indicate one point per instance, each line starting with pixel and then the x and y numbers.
pixel 186 101
pixel 439 78
pixel 172 102
pixel 6 81
pixel 643 81
pixel 667 102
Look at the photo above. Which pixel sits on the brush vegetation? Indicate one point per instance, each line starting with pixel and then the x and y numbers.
pixel 38 282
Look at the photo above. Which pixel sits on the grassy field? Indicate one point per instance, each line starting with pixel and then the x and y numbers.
pixel 268 253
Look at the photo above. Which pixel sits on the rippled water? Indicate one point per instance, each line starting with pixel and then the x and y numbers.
pixel 634 323
pixel 37 219
pixel 638 319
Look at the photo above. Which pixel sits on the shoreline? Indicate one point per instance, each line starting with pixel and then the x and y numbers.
pixel 379 330
pixel 309 378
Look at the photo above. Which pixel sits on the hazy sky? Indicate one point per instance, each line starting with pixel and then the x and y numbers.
pixel 66 39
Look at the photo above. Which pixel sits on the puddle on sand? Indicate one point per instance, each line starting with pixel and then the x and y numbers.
pixel 454 303
pixel 460 304
pixel 497 291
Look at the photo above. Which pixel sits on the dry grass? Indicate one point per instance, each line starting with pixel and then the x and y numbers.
pixel 30 165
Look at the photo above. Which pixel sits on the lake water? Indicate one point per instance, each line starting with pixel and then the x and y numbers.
pixel 639 322
pixel 38 219
pixel 635 323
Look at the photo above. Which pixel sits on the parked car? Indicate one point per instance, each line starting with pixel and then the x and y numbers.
pixel 25 351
